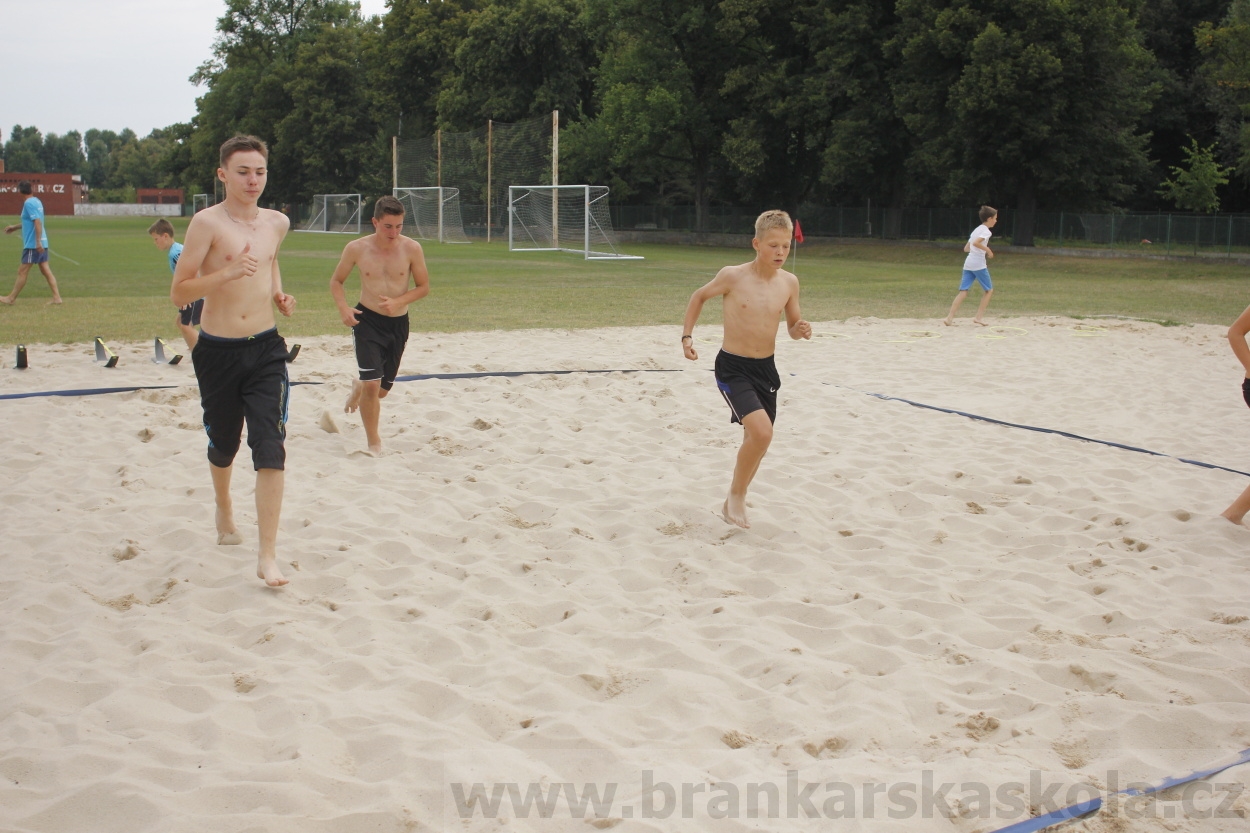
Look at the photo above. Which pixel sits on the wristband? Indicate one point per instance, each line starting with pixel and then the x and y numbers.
pixel 683 338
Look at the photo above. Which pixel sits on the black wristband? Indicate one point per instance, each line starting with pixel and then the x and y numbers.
pixel 683 338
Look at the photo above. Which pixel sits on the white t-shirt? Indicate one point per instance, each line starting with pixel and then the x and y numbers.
pixel 975 261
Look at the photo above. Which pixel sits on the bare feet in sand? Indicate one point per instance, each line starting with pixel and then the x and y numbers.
pixel 267 571
pixel 979 322
pixel 735 512
pixel 353 398
pixel 946 321
pixel 227 532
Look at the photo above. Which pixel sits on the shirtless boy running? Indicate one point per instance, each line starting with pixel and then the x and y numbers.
pixel 755 295
pixel 387 261
pixel 230 259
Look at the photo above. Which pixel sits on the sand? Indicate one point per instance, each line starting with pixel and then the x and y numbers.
pixel 533 587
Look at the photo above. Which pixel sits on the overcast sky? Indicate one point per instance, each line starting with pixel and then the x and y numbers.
pixel 109 64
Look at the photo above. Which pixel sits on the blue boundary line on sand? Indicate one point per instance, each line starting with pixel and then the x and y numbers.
pixel 1067 434
pixel 419 377
pixel 1084 808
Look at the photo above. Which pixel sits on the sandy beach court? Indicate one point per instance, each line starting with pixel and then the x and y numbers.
pixel 531 593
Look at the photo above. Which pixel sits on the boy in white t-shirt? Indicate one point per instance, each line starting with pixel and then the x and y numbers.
pixel 975 270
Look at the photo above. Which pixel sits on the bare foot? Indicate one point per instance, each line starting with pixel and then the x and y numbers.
pixel 267 570
pixel 227 532
pixel 946 321
pixel 376 450
pixel 353 398
pixel 7 301
pixel 735 512
pixel 1232 519
pixel 979 322
pixel 55 302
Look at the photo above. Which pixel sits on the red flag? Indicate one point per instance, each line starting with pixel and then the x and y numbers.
pixel 798 232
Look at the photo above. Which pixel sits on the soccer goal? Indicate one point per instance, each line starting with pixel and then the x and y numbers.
pixel 199 202
pixel 432 214
pixel 338 213
pixel 565 218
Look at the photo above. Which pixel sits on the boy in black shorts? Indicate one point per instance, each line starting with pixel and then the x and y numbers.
pixel 754 294
pixel 387 261
pixel 230 259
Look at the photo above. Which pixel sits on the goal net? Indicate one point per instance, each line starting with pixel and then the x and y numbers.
pixel 199 202
pixel 566 218
pixel 432 214
pixel 334 213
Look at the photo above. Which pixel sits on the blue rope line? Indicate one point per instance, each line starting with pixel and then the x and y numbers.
pixel 414 378
pixel 1067 434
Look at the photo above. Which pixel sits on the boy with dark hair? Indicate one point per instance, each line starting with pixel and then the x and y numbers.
pixel 34 246
pixel 754 295
pixel 387 261
pixel 230 259
pixel 188 318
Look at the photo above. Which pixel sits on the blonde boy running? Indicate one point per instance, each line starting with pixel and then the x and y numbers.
pixel 754 294
pixel 230 259
pixel 387 261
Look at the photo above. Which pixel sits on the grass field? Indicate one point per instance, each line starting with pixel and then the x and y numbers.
pixel 116 285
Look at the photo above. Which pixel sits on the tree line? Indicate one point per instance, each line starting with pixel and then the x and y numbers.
pixel 1031 105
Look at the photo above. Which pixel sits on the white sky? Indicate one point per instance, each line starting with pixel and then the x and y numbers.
pixel 109 64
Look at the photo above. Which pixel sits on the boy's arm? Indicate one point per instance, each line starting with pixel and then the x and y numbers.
pixel 1237 339
pixel 285 303
pixel 347 262
pixel 795 325
pixel 38 235
pixel 981 244
pixel 189 285
pixel 420 282
pixel 718 285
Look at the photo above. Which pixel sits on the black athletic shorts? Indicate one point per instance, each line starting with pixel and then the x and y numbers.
pixel 244 380
pixel 1245 390
pixel 190 314
pixel 748 384
pixel 380 341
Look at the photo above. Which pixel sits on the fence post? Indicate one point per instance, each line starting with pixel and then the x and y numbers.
pixel 1169 249
pixel 1229 251
pixel 1111 243
pixel 1061 229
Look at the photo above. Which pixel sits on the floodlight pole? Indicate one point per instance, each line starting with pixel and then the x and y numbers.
pixel 394 163
pixel 490 128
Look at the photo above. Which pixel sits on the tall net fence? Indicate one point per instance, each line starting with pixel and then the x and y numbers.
pixel 481 163
pixel 1158 233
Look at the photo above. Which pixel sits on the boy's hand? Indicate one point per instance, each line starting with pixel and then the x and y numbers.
pixel 11 229
pixel 989 253
pixel 687 347
pixel 803 329
pixel 350 316
pixel 388 306
pixel 285 303
pixel 245 265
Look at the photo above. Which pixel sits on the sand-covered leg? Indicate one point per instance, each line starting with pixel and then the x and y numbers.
pixel 757 436
pixel 269 487
pixel 227 532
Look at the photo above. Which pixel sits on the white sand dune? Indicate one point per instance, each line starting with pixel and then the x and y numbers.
pixel 533 587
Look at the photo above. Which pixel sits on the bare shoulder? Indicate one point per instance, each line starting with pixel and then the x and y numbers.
pixel 733 274
pixel 277 219
pixel 411 247
pixel 204 225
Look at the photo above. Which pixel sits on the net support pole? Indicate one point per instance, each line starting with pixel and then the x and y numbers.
pixel 394 163
pixel 490 127
pixel 438 155
pixel 555 176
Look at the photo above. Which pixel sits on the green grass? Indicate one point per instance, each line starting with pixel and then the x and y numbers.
pixel 118 288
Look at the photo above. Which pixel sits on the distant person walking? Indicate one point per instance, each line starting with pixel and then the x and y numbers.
pixel 975 268
pixel 34 246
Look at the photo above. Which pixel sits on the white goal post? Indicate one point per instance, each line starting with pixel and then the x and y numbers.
pixel 339 213
pixel 199 202
pixel 564 218
pixel 432 213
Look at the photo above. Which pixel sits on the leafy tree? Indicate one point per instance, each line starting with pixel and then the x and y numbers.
pixel 518 59
pixel 1226 70
pixel 24 150
pixel 63 154
pixel 1039 100
pixel 415 56
pixel 1194 188
pixel 662 111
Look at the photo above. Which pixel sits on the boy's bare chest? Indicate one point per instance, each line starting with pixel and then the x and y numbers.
pixel 766 298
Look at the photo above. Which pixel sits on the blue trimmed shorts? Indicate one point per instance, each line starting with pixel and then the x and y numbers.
pixel 32 256
pixel 981 276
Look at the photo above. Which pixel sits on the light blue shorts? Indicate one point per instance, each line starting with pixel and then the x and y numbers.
pixel 981 276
